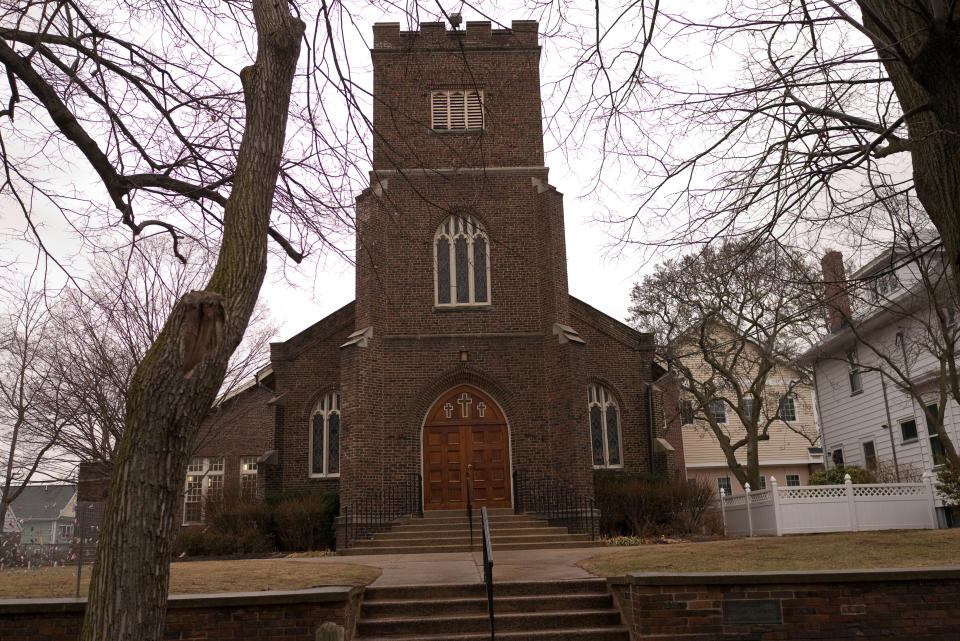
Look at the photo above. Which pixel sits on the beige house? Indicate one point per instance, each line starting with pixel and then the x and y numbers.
pixel 791 452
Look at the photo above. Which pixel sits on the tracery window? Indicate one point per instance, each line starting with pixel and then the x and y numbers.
pixel 325 436
pixel 461 253
pixel 604 427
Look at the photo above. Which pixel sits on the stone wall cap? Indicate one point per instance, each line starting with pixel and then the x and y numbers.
pixel 326 594
pixel 791 577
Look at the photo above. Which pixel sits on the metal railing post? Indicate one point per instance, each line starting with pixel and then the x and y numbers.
pixel 470 503
pixel 487 565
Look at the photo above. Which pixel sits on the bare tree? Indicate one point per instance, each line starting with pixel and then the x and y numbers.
pixel 30 411
pixel 902 310
pixel 729 320
pixel 146 94
pixel 832 100
pixel 101 333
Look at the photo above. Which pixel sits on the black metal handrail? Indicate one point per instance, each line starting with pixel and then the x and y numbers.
pixel 470 505
pixel 487 565
pixel 557 502
pixel 368 515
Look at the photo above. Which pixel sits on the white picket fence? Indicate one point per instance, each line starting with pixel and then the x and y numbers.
pixel 830 508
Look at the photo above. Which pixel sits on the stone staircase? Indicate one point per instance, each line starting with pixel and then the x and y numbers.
pixel 580 610
pixel 449 531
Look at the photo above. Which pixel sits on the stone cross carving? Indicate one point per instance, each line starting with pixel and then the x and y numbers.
pixel 465 402
pixel 481 408
pixel 448 410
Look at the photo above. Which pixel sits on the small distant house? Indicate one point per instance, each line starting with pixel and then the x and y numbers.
pixel 791 452
pixel 11 523
pixel 45 514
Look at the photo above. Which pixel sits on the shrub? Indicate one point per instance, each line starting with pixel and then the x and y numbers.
pixel 287 522
pixel 645 506
pixel 948 483
pixel 836 475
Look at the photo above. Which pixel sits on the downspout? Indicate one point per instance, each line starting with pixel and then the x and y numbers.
pixel 819 418
pixel 653 456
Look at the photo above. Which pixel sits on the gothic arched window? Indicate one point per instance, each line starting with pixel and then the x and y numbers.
pixel 461 253
pixel 325 436
pixel 604 427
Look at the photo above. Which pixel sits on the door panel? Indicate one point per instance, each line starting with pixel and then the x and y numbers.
pixel 464 428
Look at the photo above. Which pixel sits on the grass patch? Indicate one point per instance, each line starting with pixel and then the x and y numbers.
pixel 839 551
pixel 198 577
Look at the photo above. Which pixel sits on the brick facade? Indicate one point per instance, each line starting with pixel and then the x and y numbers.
pixel 293 616
pixel 920 605
pixel 394 351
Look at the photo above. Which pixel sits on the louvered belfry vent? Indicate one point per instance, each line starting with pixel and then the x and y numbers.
pixel 456 110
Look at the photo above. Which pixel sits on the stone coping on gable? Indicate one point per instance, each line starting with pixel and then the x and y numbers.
pixel 787 577
pixel 326 594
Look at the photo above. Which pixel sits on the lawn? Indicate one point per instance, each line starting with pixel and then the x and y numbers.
pixel 249 575
pixel 846 550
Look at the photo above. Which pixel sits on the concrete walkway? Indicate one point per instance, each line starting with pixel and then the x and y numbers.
pixel 467 567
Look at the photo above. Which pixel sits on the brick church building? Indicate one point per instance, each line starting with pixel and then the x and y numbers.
pixel 463 349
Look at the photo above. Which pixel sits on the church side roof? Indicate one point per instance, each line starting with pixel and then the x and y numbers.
pixel 320 330
pixel 609 325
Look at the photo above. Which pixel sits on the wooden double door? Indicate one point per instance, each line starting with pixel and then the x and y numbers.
pixel 465 432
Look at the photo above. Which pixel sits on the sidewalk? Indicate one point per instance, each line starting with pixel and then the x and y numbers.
pixel 467 567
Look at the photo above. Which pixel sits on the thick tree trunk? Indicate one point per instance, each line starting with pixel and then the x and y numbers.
pixel 921 53
pixel 178 380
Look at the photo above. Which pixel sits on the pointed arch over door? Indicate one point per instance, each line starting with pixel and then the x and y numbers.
pixel 465 428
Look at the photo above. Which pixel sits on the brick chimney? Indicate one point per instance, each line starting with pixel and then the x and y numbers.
pixel 835 291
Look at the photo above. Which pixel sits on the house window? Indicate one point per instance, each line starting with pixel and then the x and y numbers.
pixel 65 532
pixel 719 411
pixel 204 485
pixel 325 437
pixel 837 457
pixel 748 407
pixel 869 455
pixel 908 430
pixel 763 482
pixel 686 411
pixel 936 446
pixel 461 255
pixel 604 427
pixel 787 409
pixel 248 477
pixel 723 484
pixel 456 110
pixel 856 385
pixel 793 480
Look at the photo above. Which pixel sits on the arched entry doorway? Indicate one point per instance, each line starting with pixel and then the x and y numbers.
pixel 464 427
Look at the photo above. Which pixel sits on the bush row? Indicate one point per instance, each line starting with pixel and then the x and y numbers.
pixel 290 522
pixel 647 506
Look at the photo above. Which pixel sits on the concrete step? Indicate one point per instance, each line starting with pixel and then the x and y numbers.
pixel 612 633
pixel 455 538
pixel 406 532
pixel 476 590
pixel 473 623
pixel 478 604
pixel 462 519
pixel 491 512
pixel 353 550
pixel 439 524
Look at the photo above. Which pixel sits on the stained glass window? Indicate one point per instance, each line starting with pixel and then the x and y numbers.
pixel 604 427
pixel 462 261
pixel 596 434
pixel 463 270
pixel 325 436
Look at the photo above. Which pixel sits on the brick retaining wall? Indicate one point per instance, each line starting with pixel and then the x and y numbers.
pixel 762 606
pixel 289 615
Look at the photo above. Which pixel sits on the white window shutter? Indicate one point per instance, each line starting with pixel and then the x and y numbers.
pixel 440 107
pixel 457 112
pixel 474 110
